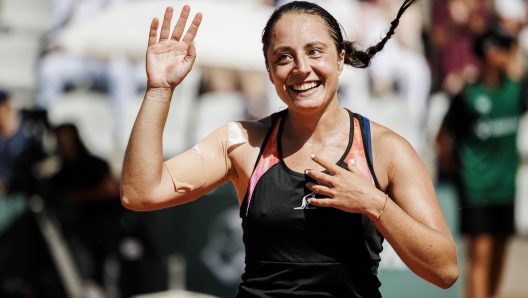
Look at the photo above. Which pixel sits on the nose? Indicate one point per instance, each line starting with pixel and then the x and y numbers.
pixel 302 66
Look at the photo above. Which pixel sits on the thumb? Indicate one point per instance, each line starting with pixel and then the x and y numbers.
pixel 191 52
pixel 351 165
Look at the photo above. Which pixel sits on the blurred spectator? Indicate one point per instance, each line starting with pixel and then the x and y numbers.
pixel 480 130
pixel 58 70
pixel 83 194
pixel 510 17
pixel 455 23
pixel 13 140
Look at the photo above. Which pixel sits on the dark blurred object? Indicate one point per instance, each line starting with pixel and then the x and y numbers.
pixel 17 136
pixel 35 127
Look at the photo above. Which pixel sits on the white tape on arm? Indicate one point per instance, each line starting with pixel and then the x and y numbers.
pixel 236 136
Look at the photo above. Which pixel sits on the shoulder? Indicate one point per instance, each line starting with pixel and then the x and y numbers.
pixel 391 152
pixel 386 141
pixel 254 132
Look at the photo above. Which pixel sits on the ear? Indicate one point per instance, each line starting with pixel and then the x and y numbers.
pixel 341 61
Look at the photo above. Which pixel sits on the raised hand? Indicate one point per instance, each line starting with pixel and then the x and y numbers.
pixel 169 60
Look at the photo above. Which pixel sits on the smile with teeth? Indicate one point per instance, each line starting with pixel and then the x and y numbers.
pixel 305 86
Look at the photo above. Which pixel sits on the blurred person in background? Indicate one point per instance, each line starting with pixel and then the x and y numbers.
pixel 454 25
pixel 510 18
pixel 85 198
pixel 477 144
pixel 13 140
pixel 58 69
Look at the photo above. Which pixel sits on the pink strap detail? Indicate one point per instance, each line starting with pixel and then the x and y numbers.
pixel 269 158
pixel 357 152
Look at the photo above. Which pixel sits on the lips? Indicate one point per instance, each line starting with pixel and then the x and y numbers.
pixel 305 86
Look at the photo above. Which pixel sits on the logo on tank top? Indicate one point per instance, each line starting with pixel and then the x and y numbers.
pixel 305 204
pixel 483 104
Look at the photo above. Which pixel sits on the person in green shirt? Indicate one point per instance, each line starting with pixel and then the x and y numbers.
pixel 477 144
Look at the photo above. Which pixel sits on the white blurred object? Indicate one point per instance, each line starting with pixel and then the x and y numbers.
pixel 176 135
pixel 513 280
pixel 438 107
pixel 522 138
pixel 217 109
pixel 176 266
pixel 91 113
pixel 521 201
pixel 124 29
pixel 391 111
pixel 18 60
pixel 511 9
pixel 29 16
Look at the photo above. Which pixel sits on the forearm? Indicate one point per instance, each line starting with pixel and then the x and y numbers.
pixel 430 253
pixel 143 161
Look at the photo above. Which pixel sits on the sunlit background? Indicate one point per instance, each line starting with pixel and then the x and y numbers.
pixel 75 73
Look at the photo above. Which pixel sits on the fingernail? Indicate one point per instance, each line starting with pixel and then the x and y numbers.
pixel 307 172
pixel 312 156
pixel 352 161
pixel 308 201
pixel 194 44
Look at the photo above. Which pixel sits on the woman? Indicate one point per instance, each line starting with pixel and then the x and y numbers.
pixel 306 233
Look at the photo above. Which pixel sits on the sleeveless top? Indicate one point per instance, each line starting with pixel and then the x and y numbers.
pixel 294 249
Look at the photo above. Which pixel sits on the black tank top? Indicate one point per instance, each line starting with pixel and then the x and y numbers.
pixel 294 249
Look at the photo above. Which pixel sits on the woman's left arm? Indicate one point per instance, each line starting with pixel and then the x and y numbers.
pixel 412 220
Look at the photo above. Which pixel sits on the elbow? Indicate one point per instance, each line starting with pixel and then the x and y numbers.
pixel 448 277
pixel 132 201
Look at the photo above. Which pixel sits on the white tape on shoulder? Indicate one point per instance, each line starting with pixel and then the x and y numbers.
pixel 197 148
pixel 236 136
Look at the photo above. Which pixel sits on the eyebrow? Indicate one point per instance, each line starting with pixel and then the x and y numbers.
pixel 308 45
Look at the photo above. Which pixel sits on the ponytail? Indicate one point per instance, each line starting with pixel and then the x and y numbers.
pixel 353 56
pixel 361 59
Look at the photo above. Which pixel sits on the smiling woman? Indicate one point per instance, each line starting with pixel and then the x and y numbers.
pixel 319 187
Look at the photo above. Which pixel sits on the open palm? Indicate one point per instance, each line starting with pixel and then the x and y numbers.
pixel 169 60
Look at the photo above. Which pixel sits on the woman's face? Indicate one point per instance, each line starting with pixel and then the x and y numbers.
pixel 303 62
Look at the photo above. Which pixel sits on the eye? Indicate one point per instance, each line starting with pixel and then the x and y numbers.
pixel 314 52
pixel 283 57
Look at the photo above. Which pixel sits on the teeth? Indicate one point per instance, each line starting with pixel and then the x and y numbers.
pixel 304 87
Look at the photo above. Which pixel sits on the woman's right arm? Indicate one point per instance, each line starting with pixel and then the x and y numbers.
pixel 146 183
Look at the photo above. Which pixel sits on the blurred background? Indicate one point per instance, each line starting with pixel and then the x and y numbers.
pixel 72 79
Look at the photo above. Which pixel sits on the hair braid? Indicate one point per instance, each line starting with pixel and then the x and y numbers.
pixel 362 59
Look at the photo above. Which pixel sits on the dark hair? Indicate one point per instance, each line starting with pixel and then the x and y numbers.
pixel 492 39
pixel 4 96
pixel 353 56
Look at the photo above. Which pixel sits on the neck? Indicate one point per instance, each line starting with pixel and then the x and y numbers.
pixel 491 77
pixel 316 126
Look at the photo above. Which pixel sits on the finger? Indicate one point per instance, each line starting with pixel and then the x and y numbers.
pixel 165 27
pixel 320 176
pixel 352 165
pixel 193 29
pixel 191 52
pixel 322 202
pixel 153 34
pixel 180 25
pixel 320 189
pixel 330 166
